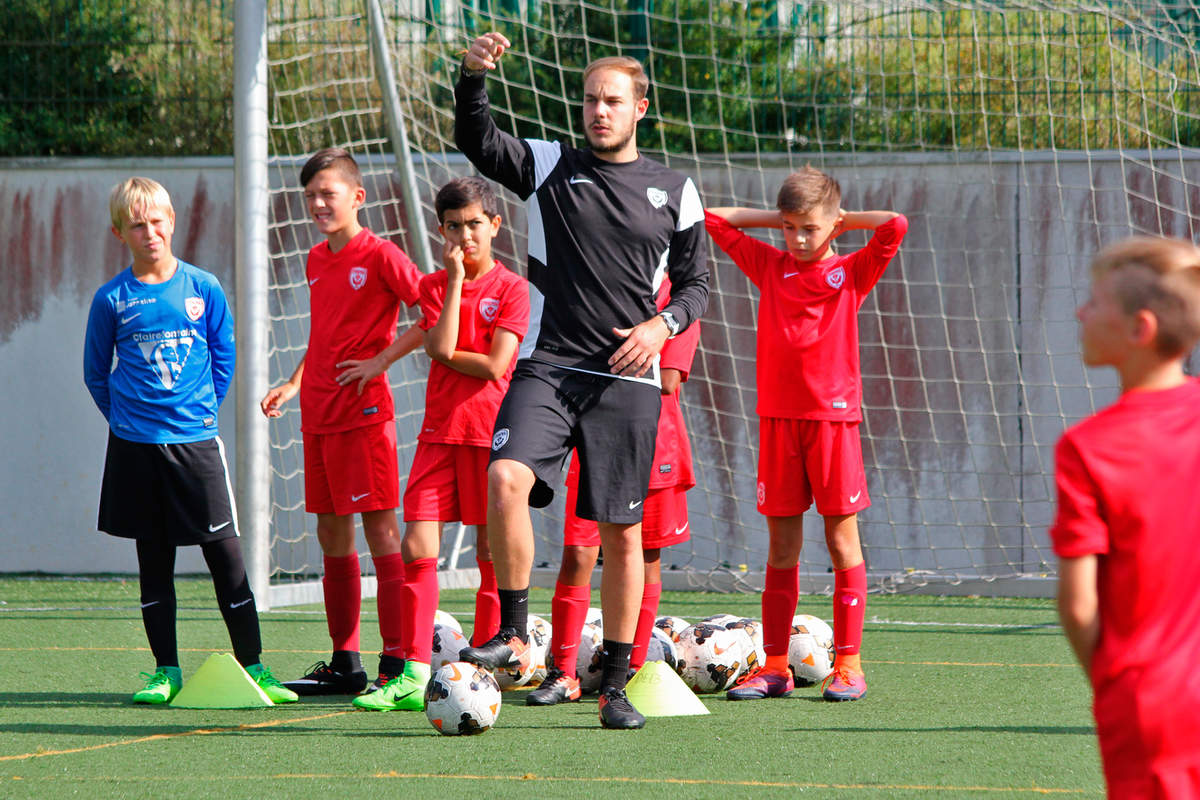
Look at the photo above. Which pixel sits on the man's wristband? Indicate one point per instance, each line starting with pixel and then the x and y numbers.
pixel 471 73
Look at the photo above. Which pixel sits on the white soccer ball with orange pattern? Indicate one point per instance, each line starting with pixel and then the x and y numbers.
pixel 462 699
pixel 810 650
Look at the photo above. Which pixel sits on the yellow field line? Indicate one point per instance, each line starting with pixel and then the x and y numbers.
pixel 616 779
pixel 160 736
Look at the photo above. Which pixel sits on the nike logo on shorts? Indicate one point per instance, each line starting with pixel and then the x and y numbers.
pixel 354 498
pixel 240 603
pixel 681 530
pixel 314 280
pixel 633 505
pixel 854 497
pixel 151 603
pixel 215 528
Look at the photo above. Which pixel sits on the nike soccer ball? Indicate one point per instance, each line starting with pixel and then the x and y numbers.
pixel 721 620
pixel 810 650
pixel 462 699
pixel 671 626
pixel 447 619
pixel 447 643
pixel 539 644
pixel 594 617
pixel 753 629
pixel 711 658
pixel 588 658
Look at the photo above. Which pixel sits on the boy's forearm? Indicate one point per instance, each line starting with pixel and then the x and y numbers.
pixel 748 217
pixel 865 220
pixel 1079 606
pixel 405 343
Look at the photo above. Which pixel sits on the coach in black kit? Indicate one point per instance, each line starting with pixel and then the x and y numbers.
pixel 605 226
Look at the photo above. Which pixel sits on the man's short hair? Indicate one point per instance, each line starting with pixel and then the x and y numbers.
pixel 808 189
pixel 332 158
pixel 462 192
pixel 136 194
pixel 630 66
pixel 1162 276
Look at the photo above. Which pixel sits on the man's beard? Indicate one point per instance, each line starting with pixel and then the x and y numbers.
pixel 615 147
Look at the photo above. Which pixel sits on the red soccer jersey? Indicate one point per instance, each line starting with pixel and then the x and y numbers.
pixel 1127 494
pixel 354 300
pixel 807 362
pixel 460 408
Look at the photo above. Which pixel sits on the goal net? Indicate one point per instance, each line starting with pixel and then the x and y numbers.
pixel 1017 137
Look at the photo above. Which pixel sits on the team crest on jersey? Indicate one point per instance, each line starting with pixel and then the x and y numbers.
pixel 657 197
pixel 167 356
pixel 500 439
pixel 194 307
pixel 836 277
pixel 489 307
pixel 762 493
pixel 358 277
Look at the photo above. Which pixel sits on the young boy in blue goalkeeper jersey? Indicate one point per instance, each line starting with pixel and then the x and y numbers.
pixel 158 360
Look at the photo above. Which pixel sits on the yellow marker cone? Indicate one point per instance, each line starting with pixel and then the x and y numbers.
pixel 657 691
pixel 221 683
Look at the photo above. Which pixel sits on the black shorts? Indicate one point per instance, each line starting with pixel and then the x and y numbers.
pixel 612 423
pixel 177 493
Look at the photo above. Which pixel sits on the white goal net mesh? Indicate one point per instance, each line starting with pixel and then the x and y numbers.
pixel 1017 137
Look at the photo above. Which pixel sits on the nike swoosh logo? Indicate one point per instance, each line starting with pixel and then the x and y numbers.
pixel 719 650
pixel 354 498
pixel 790 274
pixel 314 280
pixel 455 674
pixel 151 603
pixel 131 318
pixel 681 530
pixel 577 179
pixel 391 649
pixel 854 497
pixel 240 603
pixel 215 528
pixel 632 506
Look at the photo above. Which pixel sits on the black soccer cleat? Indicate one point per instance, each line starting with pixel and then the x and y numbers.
pixel 556 688
pixel 617 712
pixel 504 650
pixel 324 679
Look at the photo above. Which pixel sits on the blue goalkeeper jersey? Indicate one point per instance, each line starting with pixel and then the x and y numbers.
pixel 158 358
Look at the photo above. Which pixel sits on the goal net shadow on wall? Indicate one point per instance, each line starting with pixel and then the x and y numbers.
pixel 1016 138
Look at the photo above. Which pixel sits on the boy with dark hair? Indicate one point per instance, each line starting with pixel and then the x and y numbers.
pixel 356 283
pixel 1128 520
pixel 809 407
pixel 166 482
pixel 474 313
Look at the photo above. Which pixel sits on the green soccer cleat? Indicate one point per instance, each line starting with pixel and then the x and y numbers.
pixel 405 692
pixel 270 685
pixel 161 686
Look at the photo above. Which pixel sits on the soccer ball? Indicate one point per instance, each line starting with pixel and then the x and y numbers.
pixel 661 648
pixel 671 626
pixel 594 617
pixel 447 643
pixel 810 650
pixel 447 619
pixel 721 620
pixel 522 673
pixel 711 658
pixel 588 658
pixel 753 628
pixel 462 699
pixel 539 643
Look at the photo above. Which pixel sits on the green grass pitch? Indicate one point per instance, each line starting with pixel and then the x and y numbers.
pixel 968 697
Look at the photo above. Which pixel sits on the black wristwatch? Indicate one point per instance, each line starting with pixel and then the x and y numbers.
pixel 672 323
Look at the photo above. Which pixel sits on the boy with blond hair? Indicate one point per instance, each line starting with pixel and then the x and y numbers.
pixel 158 360
pixel 474 314
pixel 809 406
pixel 356 282
pixel 1128 521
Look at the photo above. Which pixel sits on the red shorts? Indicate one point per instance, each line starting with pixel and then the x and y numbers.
pixel 664 518
pixel 800 460
pixel 447 483
pixel 352 471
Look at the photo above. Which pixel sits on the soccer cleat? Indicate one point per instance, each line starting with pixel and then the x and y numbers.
pixel 844 684
pixel 556 688
pixel 504 650
pixel 761 683
pixel 161 687
pixel 324 679
pixel 270 685
pixel 405 692
pixel 617 712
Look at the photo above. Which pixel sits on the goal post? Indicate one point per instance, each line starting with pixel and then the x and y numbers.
pixel 1017 137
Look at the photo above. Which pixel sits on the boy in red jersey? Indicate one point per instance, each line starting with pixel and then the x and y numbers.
pixel 1128 521
pixel 664 523
pixel 356 283
pixel 475 313
pixel 809 406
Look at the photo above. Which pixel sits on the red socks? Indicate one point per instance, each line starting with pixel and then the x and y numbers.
pixel 849 608
pixel 781 592
pixel 645 624
pixel 418 605
pixel 342 585
pixel 568 611
pixel 389 575
pixel 487 605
